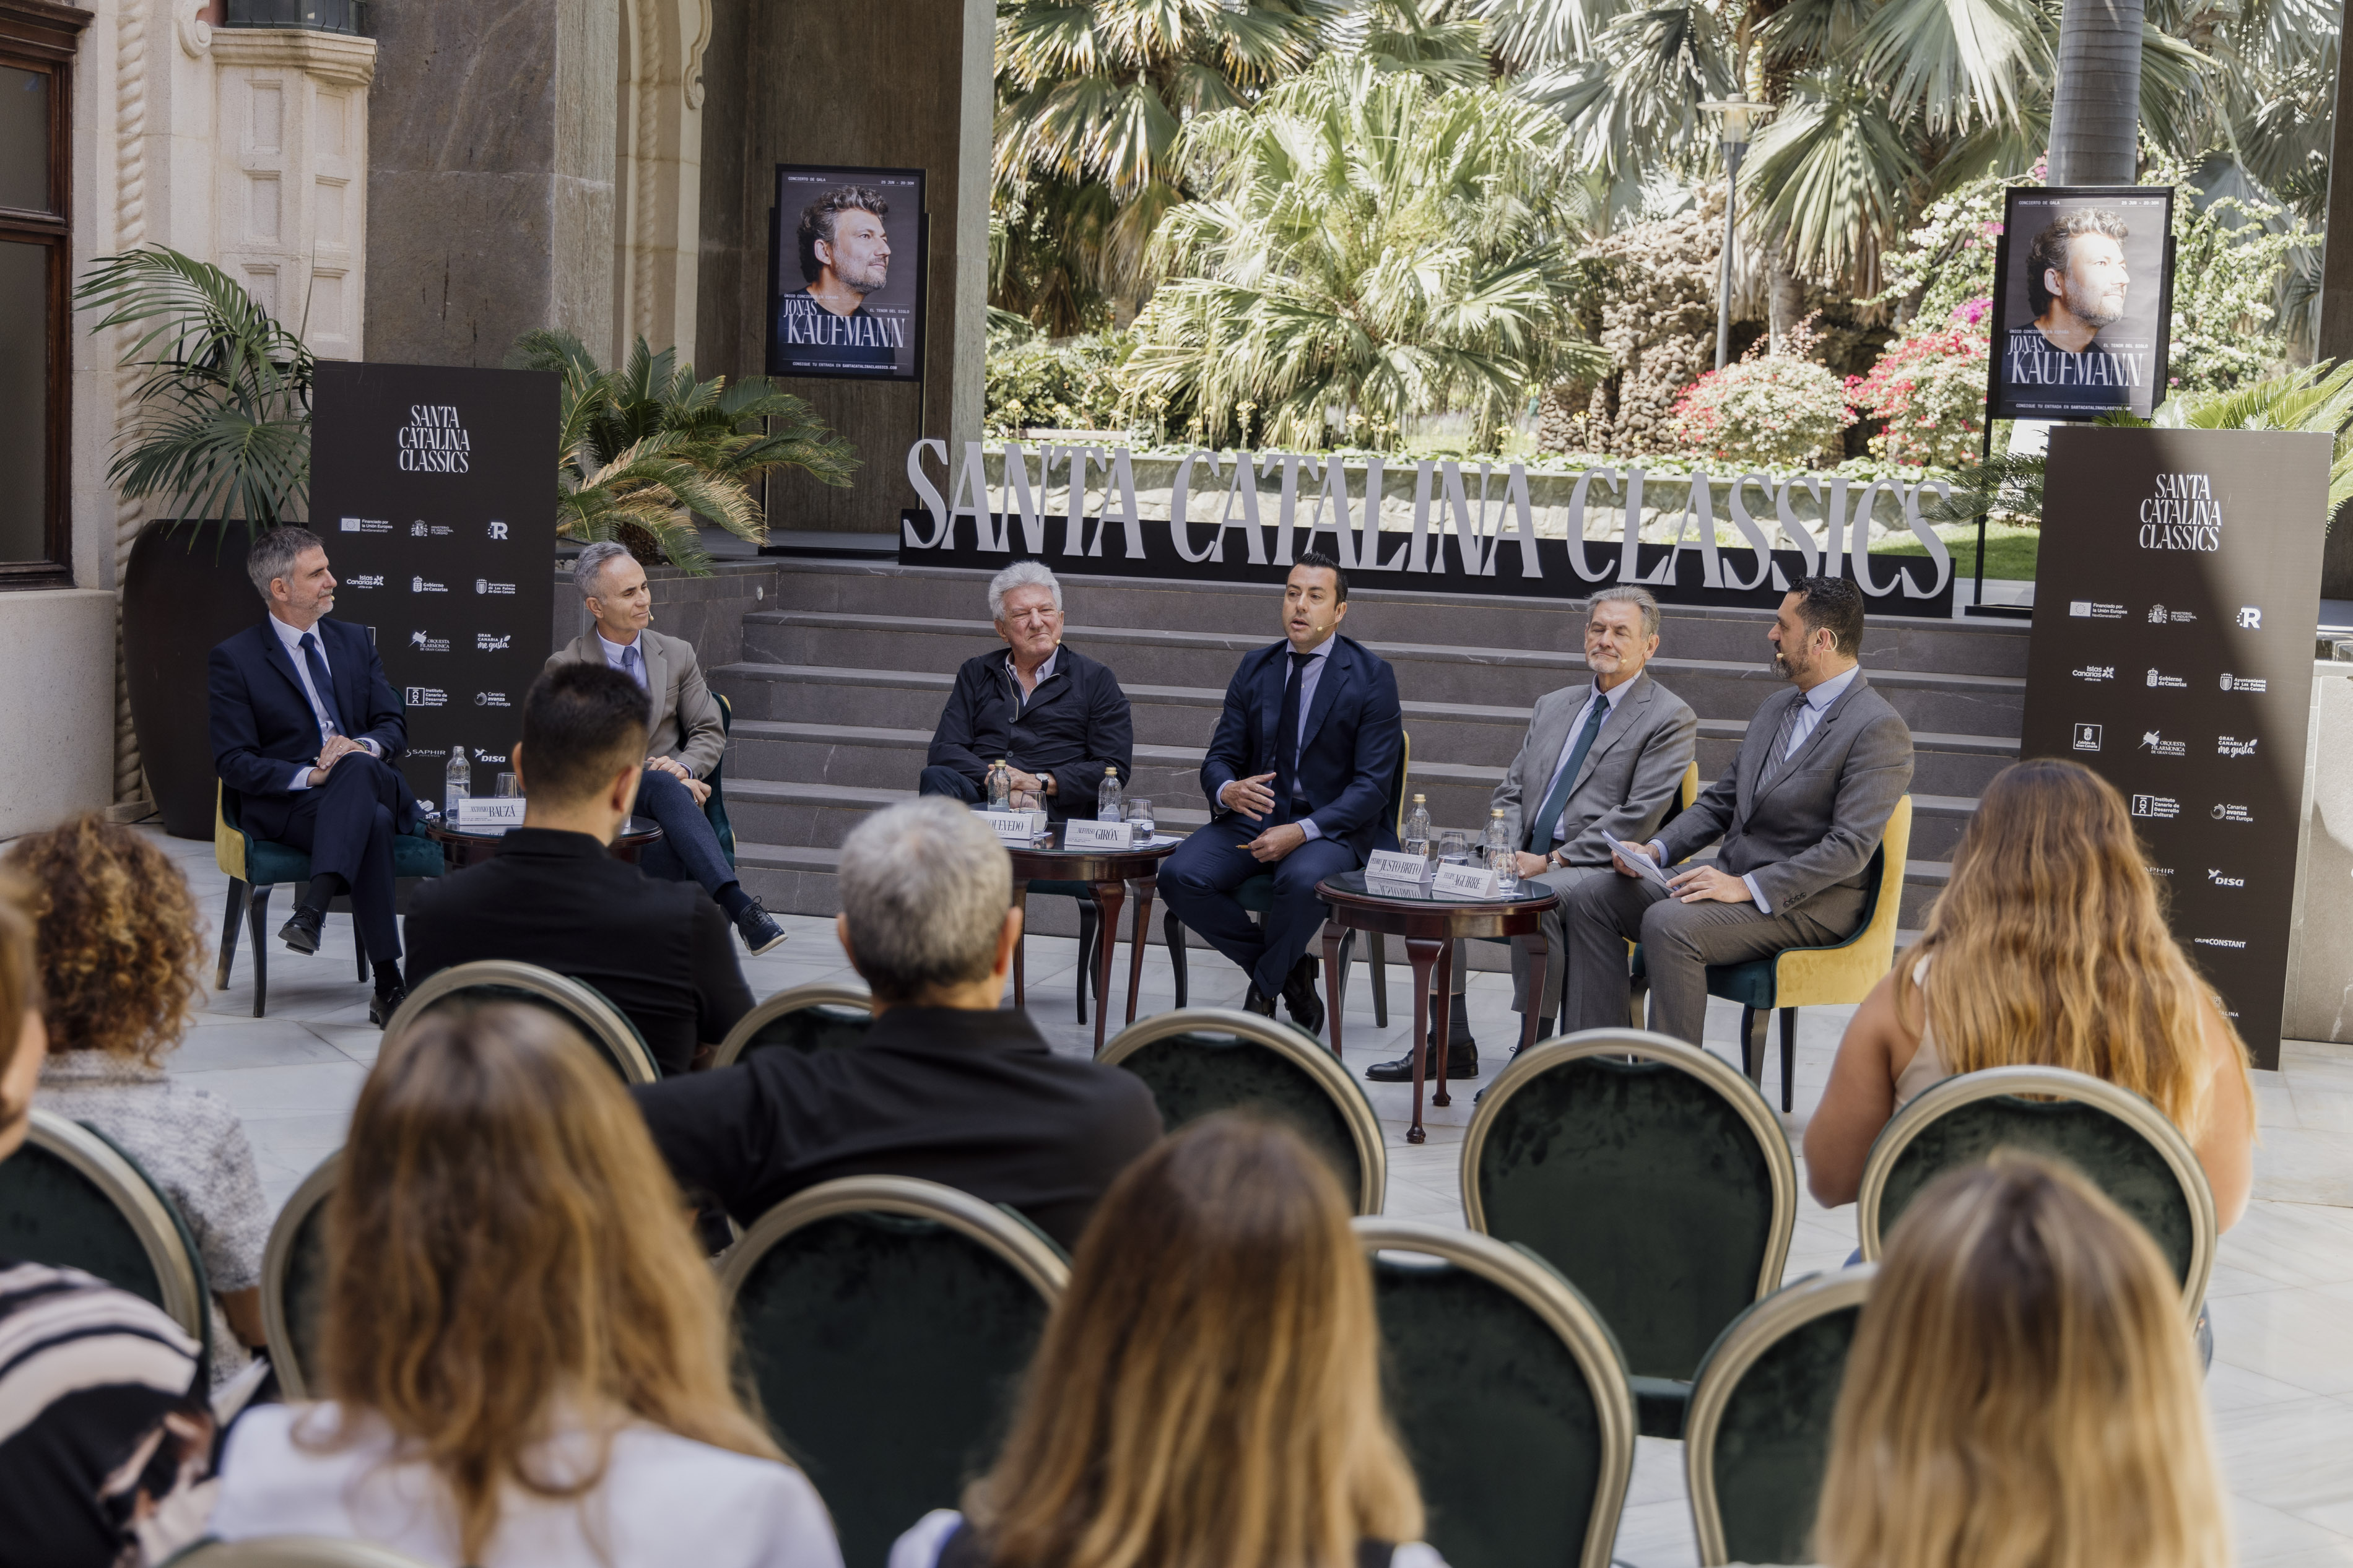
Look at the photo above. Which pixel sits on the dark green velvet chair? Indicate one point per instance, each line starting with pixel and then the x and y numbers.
pixel 605 1027
pixel 2126 1146
pixel 294 1279
pixel 255 866
pixel 1653 1176
pixel 714 807
pixel 886 1323
pixel 824 1016
pixel 73 1198
pixel 1509 1392
pixel 1202 1059
pixel 1760 1433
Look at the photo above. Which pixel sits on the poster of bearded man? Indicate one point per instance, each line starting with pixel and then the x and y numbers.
pixel 846 273
pixel 2083 296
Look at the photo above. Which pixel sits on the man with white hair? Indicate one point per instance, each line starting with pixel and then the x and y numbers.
pixel 949 1086
pixel 688 736
pixel 1055 714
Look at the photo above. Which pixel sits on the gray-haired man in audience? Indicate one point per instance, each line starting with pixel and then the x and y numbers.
pixel 688 739
pixel 949 1086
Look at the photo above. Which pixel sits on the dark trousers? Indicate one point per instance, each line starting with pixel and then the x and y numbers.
pixel 346 825
pixel 1199 881
pixel 688 849
pixel 946 780
pixel 1601 914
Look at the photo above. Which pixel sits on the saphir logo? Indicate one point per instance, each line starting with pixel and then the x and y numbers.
pixel 498 529
pixel 2157 807
pixel 2087 737
pixel 427 697
pixel 2250 618
pixel 424 644
pixel 2158 745
pixel 2225 811
pixel 2093 610
pixel 2220 880
pixel 2160 870
pixel 485 643
pixel 364 580
pixel 2096 672
pixel 2244 683
pixel 2157 677
pixel 419 585
pixel 484 586
pixel 2217 942
pixel 366 525
pixel 491 699
pixel 2231 746
pixel 433 441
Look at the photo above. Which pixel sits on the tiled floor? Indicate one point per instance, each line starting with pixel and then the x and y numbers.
pixel 2282 1384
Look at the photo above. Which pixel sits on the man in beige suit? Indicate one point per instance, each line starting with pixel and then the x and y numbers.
pixel 688 735
pixel 1602 760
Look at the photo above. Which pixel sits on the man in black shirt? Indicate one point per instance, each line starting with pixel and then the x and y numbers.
pixel 949 1087
pixel 554 896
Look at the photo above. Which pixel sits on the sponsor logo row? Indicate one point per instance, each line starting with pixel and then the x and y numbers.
pixel 479 755
pixel 2250 617
pixel 2157 743
pixel 2166 809
pixel 484 642
pixel 434 697
pixel 420 529
pixel 2098 674
pixel 421 584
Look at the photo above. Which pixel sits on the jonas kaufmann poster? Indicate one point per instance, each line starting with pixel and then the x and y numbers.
pixel 846 276
pixel 2082 285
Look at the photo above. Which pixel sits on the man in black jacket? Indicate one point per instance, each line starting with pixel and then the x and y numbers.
pixel 659 951
pixel 949 1086
pixel 1058 716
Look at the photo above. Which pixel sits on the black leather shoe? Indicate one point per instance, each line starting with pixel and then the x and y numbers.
pixel 384 1003
pixel 302 929
pixel 1459 1063
pixel 759 929
pixel 1257 1002
pixel 1299 997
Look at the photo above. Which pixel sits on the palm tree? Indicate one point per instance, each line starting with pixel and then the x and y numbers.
pixel 2096 104
pixel 1365 247
pixel 640 453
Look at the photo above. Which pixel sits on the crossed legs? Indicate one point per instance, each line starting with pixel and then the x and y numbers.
pixel 1198 882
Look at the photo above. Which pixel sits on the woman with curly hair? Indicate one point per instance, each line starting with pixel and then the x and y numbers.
pixel 120 953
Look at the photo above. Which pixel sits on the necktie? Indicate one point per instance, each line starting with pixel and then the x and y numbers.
pixel 1286 739
pixel 1780 750
pixel 1540 830
pixel 634 666
pixel 319 683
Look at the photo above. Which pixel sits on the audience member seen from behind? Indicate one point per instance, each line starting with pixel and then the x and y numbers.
pixel 120 955
pixel 2049 948
pixel 950 1085
pixel 105 1438
pixel 554 896
pixel 1209 1388
pixel 524 1352
pixel 2023 1390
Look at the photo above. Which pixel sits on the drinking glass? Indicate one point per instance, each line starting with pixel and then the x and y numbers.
pixel 1454 846
pixel 1141 825
pixel 507 789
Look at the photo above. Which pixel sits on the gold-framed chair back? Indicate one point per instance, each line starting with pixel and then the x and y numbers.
pixel 294 1279
pixel 605 1026
pixel 293 1552
pixel 823 1015
pixel 72 1198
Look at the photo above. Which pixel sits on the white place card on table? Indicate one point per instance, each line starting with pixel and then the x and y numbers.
pixel 489 813
pixel 1079 834
pixel 1464 882
pixel 1389 888
pixel 1019 828
pixel 1391 866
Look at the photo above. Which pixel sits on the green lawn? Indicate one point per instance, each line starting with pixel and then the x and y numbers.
pixel 2010 549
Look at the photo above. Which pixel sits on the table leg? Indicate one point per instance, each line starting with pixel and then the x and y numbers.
pixel 1142 889
pixel 1421 953
pixel 1333 935
pixel 1021 903
pixel 1442 1017
pixel 1539 949
pixel 1113 897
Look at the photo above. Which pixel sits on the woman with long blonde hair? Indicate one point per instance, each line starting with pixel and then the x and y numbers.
pixel 2049 948
pixel 1207 1392
pixel 522 1347
pixel 2022 1391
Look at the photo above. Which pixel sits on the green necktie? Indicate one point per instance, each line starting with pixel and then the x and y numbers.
pixel 1541 827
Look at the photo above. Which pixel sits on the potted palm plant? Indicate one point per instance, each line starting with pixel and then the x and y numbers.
pixel 220 431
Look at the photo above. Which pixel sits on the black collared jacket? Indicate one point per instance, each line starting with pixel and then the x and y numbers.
pixel 1074 726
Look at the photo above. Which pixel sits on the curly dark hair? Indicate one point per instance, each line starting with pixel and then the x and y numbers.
pixel 120 947
pixel 2048 252
pixel 818 217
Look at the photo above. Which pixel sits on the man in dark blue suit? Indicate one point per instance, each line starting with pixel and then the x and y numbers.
pixel 305 732
pixel 1298 775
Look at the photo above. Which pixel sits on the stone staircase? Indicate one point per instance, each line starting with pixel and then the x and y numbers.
pixel 839 685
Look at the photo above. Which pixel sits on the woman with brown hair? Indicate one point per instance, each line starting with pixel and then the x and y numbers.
pixel 523 1350
pixel 2049 948
pixel 1207 1392
pixel 2023 1390
pixel 122 953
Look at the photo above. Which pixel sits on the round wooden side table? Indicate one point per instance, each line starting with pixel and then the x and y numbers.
pixel 462 849
pixel 1113 874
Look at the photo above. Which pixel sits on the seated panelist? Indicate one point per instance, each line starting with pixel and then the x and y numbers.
pixel 1299 775
pixel 1799 814
pixel 687 738
pixel 1056 715
pixel 305 732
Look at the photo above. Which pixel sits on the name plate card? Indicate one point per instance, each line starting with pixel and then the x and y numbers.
pixel 1019 828
pixel 1464 882
pixel 1391 866
pixel 489 813
pixel 1082 835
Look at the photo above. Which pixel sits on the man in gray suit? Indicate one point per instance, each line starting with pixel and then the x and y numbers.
pixel 1601 762
pixel 687 737
pixel 1799 814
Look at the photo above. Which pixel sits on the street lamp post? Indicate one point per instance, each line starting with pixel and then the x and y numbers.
pixel 1740 117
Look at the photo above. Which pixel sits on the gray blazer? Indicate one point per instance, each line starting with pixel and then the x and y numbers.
pixel 1815 826
pixel 686 716
pixel 1628 780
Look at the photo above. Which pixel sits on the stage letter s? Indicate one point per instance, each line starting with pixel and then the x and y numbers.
pixel 934 502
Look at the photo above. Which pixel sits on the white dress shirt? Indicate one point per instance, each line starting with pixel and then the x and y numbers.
pixel 744 1512
pixel 1610 700
pixel 1811 708
pixel 1025 698
pixel 292 637
pixel 616 657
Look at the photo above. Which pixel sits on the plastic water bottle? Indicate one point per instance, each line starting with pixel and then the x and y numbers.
pixel 1001 786
pixel 457 783
pixel 1415 836
pixel 1111 806
pixel 1500 856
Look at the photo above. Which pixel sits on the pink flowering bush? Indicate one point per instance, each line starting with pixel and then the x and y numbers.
pixel 1774 411
pixel 1929 385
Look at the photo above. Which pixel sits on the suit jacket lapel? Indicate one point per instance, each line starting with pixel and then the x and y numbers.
pixel 1337 666
pixel 1821 729
pixel 274 650
pixel 657 677
pixel 1613 728
pixel 1768 721
pixel 1271 675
